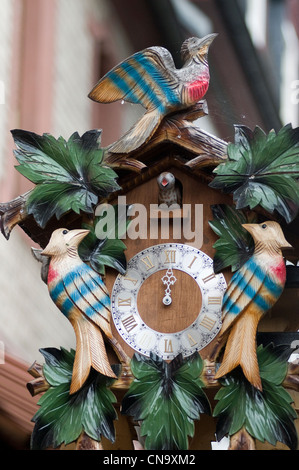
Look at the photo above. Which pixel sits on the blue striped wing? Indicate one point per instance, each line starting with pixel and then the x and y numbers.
pixel 83 288
pixel 145 78
pixel 243 288
pixel 249 285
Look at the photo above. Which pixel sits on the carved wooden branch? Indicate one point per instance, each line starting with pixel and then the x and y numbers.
pixel 292 379
pixel 39 384
pixel 242 441
pixel 12 213
pixel 84 442
pixel 176 130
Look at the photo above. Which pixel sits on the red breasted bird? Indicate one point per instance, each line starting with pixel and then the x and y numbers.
pixel 81 295
pixel 151 79
pixel 252 291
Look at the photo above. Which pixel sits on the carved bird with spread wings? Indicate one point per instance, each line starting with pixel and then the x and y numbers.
pixel 150 78
pixel 81 295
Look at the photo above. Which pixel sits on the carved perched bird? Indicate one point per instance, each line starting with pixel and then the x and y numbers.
pixel 151 79
pixel 169 189
pixel 81 295
pixel 252 291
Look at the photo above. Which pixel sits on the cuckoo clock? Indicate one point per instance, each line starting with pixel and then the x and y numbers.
pixel 164 250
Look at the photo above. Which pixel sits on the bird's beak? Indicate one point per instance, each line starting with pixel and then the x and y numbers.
pixel 46 251
pixel 78 235
pixel 286 244
pixel 248 227
pixel 207 40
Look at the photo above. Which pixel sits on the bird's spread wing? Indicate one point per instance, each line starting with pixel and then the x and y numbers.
pixel 147 78
pixel 88 292
pixel 243 289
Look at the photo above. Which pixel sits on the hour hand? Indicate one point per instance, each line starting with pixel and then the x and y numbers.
pixel 169 279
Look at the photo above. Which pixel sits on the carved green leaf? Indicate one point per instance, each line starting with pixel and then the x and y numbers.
pixel 61 417
pixel 262 170
pixel 109 250
pixel 166 398
pixel 69 175
pixel 267 415
pixel 106 253
pixel 235 244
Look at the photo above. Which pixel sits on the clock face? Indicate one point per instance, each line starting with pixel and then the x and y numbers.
pixel 170 266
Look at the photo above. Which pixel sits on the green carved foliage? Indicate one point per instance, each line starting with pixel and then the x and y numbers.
pixel 69 175
pixel 102 247
pixel 235 244
pixel 262 170
pixel 166 398
pixel 267 415
pixel 61 417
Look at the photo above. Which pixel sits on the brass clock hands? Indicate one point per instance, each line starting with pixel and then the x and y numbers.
pixel 169 279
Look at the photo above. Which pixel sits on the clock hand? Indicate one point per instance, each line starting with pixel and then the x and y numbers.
pixel 169 279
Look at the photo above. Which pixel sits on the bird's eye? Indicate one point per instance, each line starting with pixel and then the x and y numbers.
pixel 65 232
pixel 264 226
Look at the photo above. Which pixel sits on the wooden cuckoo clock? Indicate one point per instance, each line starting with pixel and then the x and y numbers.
pixel 165 251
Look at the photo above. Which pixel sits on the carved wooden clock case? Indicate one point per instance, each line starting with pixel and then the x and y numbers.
pixel 142 322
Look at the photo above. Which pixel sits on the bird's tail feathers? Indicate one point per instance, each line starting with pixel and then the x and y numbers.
pixel 241 349
pixel 221 338
pixel 90 352
pixel 138 134
pixel 102 323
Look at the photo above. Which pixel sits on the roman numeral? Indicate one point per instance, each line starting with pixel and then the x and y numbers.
pixel 145 340
pixel 129 323
pixel 193 261
pixel 208 278
pixel 170 256
pixel 192 341
pixel 214 300
pixel 128 278
pixel 168 346
pixel 207 323
pixel 124 302
pixel 148 263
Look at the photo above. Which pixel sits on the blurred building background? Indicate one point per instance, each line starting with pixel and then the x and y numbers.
pixel 52 52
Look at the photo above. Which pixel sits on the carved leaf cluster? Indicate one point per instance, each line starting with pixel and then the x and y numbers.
pixel 262 170
pixel 61 417
pixel 69 175
pixel 166 398
pixel 267 415
pixel 235 244
pixel 105 249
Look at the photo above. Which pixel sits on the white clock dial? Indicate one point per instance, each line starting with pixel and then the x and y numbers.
pixel 168 258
